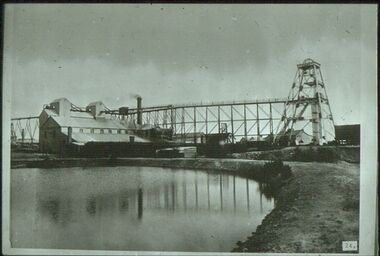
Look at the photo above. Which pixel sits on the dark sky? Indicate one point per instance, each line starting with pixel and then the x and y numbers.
pixel 184 53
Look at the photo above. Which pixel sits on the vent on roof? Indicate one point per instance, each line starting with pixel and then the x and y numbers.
pixel 61 106
pixel 96 109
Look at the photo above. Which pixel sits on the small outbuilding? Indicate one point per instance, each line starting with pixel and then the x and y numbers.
pixel 348 134
pixel 192 137
pixel 295 137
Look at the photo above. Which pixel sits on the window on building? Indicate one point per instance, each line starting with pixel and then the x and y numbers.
pixel 101 131
pixel 92 130
pixel 125 131
pixel 53 133
pixel 119 131
pixel 109 130
pixel 81 130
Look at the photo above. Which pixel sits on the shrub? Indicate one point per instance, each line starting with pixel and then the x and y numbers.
pixel 276 168
pixel 351 203
pixel 319 154
pixel 286 172
pixel 327 155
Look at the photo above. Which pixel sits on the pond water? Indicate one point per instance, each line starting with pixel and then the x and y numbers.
pixel 133 208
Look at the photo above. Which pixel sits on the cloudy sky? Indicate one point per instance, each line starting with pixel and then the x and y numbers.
pixel 184 53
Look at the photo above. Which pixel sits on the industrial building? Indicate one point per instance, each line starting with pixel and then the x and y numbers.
pixel 208 126
pixel 61 124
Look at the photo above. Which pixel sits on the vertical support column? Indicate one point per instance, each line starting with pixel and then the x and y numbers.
pixel 27 126
pixel 69 135
pixel 218 119
pixel 257 121
pixel 165 118
pixel 13 133
pixel 245 122
pixel 22 136
pixel 206 120
pixel 175 121
pixel 183 125
pixel 195 125
pixel 316 122
pixel 270 119
pixel 318 108
pixel 232 124
pixel 172 119
pixel 155 117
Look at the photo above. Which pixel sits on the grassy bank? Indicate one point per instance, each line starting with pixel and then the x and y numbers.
pixel 329 154
pixel 315 211
pixel 233 165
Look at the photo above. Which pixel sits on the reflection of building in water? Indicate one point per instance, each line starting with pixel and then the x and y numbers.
pixel 57 208
pixel 197 193
pixel 221 192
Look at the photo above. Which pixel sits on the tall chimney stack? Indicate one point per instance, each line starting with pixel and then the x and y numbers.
pixel 139 115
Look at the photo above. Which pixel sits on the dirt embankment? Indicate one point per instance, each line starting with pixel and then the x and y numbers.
pixel 315 211
pixel 233 165
pixel 350 154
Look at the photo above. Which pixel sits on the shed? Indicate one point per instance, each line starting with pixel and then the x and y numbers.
pixel 348 134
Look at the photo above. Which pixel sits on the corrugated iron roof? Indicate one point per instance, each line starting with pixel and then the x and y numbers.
pixel 99 123
pixel 86 120
pixel 96 137
pixel 51 112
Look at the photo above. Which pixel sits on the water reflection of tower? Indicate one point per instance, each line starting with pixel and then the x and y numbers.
pixel 123 202
pixel 184 195
pixel 208 190
pixel 220 197
pixel 140 203
pixel 247 193
pixel 166 196
pixel 268 191
pixel 172 185
pixel 196 190
pixel 234 191
pixel 221 191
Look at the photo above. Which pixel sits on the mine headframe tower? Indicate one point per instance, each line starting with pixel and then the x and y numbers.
pixel 307 107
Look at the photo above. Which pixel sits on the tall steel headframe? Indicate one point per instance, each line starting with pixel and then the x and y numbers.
pixel 307 107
